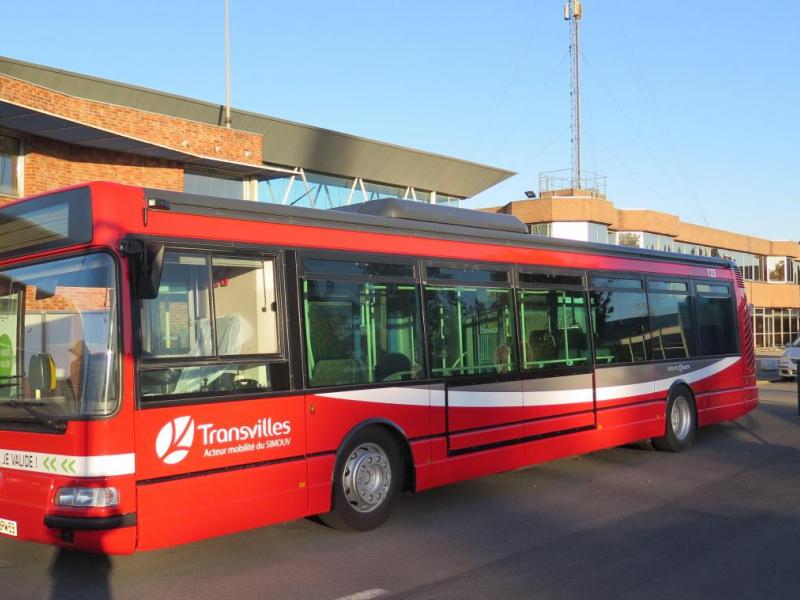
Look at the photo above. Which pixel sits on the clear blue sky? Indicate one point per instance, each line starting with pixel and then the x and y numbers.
pixel 688 107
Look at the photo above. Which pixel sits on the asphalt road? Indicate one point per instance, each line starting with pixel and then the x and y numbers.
pixel 719 521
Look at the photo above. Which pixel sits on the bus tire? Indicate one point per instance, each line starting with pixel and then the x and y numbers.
pixel 366 482
pixel 681 421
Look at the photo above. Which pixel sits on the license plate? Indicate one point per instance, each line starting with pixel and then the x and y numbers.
pixel 8 527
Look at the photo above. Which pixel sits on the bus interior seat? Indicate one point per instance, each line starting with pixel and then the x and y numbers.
pixel 338 371
pixel 543 346
pixel 393 366
pixel 578 346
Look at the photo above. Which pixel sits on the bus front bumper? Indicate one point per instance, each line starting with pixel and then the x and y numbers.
pixel 28 513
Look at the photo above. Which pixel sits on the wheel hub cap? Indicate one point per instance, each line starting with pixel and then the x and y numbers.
pixel 681 418
pixel 367 477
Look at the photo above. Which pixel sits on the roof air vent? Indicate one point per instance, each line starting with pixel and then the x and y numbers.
pixel 430 213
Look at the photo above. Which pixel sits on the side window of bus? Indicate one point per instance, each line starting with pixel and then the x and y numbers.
pixel 178 321
pixel 619 320
pixel 716 319
pixel 212 310
pixel 245 306
pixel 471 327
pixel 554 328
pixel 362 323
pixel 672 322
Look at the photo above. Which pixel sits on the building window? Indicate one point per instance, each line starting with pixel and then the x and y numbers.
pixel 9 166
pixel 657 241
pixel 776 269
pixel 328 191
pixel 541 229
pixel 422 196
pixel 379 190
pixel 444 199
pixel 322 191
pixel 753 266
pixel 629 238
pixel 214 184
pixel 598 233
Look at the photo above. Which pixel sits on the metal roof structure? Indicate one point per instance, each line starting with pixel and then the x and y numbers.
pixel 285 143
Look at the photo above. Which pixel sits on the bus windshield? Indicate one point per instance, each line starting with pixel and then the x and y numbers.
pixel 58 349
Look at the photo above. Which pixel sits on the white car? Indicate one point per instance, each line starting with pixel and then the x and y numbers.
pixel 787 367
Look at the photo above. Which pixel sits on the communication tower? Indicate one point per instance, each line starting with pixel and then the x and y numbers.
pixel 573 10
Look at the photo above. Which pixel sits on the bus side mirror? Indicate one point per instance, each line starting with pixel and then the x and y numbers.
pixel 153 266
pixel 42 373
pixel 148 261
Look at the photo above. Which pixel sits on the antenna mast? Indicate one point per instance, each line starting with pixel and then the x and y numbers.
pixel 227 121
pixel 572 13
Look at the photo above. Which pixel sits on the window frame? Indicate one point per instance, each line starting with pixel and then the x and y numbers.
pixel 520 286
pixel 143 365
pixel 689 291
pixel 507 268
pixel 209 172
pixel 20 166
pixel 625 290
pixel 731 296
pixel 510 285
pixel 304 256
pixel 303 274
pixel 34 426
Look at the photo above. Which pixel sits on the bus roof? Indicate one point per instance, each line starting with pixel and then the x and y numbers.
pixel 411 218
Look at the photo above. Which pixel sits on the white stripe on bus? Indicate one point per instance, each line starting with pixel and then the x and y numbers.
pixel 614 392
pixel 107 465
pixel 406 396
pixel 416 396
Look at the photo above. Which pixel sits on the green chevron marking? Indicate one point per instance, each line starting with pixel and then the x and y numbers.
pixel 71 466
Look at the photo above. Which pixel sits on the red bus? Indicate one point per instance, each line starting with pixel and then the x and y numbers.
pixel 175 367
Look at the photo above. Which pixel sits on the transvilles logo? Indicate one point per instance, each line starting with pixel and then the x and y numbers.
pixel 175 440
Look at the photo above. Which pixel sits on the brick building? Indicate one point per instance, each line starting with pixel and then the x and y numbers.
pixel 771 269
pixel 59 128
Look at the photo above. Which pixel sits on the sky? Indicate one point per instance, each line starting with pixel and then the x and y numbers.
pixel 687 107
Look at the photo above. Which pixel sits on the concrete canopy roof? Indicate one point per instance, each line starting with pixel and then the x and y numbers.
pixel 285 143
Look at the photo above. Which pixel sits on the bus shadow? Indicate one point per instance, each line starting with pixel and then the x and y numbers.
pixel 79 575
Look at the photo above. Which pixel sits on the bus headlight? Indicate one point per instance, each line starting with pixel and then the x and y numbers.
pixel 87 497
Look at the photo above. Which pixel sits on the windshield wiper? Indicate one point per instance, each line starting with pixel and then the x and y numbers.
pixel 47 420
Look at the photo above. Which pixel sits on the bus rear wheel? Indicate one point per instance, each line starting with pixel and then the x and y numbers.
pixel 681 423
pixel 367 479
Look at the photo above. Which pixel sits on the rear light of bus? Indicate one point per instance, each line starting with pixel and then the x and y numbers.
pixel 81 497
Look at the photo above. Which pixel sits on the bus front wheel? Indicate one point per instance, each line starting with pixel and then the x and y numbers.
pixel 366 482
pixel 681 420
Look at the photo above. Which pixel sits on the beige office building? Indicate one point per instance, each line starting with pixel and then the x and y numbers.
pixel 771 268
